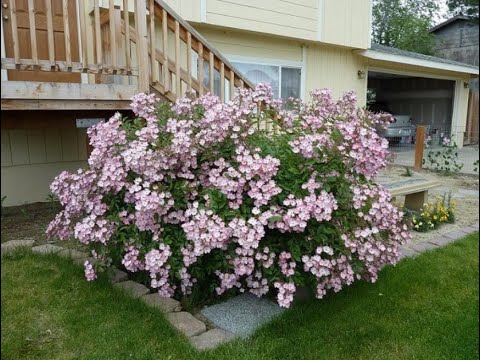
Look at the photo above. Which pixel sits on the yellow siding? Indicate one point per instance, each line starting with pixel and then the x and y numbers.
pixel 324 66
pixel 189 10
pixel 345 22
pixel 31 158
pixel 286 18
pixel 30 183
pixel 252 45
pixel 335 69
pixel 338 22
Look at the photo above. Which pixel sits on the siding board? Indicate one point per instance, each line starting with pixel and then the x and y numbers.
pixel 6 153
pixel 53 145
pixel 270 17
pixel 36 146
pixel 19 143
pixel 69 144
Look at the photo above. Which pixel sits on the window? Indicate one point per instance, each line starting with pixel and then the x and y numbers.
pixel 286 80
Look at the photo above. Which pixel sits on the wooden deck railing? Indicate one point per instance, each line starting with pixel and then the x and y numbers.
pixel 141 42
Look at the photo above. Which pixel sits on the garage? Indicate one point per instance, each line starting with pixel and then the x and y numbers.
pixel 420 90
pixel 412 101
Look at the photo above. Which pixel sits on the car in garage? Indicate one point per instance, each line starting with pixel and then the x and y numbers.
pixel 401 130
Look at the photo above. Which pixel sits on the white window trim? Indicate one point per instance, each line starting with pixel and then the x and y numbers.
pixel 270 62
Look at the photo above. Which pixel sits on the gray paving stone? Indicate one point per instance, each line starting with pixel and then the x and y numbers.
pixel 133 288
pixel 455 235
pixel 167 305
pixel 441 241
pixel 243 314
pixel 211 339
pixel 186 323
pixel 116 276
pixel 11 245
pixel 423 246
pixel 73 254
pixel 407 252
pixel 470 229
pixel 47 249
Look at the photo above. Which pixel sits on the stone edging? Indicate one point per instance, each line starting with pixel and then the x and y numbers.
pixel 201 335
pixel 411 250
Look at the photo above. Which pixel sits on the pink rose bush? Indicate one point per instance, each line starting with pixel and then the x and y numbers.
pixel 196 198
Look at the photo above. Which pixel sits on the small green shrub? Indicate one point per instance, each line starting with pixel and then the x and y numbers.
pixel 444 160
pixel 408 172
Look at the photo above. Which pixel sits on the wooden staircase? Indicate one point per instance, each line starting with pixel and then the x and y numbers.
pixel 119 48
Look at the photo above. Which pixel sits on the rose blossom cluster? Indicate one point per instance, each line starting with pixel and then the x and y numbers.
pixel 194 193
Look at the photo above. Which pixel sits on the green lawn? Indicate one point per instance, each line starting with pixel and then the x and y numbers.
pixel 424 308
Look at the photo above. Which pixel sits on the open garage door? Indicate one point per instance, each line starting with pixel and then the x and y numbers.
pixel 417 101
pixel 412 101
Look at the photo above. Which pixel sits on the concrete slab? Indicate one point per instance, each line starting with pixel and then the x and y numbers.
pixel 243 314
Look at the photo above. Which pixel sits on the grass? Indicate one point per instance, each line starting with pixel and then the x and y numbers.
pixel 424 308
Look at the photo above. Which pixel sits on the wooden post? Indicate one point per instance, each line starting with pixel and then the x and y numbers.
pixel 200 69
pixel 126 24
pixel 142 45
pixel 50 35
pixel 166 72
pixel 98 36
pixel 419 145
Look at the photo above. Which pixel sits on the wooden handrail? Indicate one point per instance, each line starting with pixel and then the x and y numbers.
pixel 198 37
pixel 106 35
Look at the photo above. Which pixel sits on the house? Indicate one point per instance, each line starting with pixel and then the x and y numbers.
pixel 68 64
pixel 457 39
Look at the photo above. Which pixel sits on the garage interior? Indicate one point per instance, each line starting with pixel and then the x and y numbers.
pixel 426 101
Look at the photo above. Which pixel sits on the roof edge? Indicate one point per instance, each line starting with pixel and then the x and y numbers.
pixel 449 21
pixel 427 63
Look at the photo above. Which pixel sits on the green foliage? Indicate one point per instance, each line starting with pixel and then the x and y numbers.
pixel 52 200
pixel 408 172
pixel 404 24
pixel 464 7
pixel 3 200
pixel 444 160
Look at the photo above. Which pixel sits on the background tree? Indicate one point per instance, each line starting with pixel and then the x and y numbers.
pixel 404 24
pixel 464 7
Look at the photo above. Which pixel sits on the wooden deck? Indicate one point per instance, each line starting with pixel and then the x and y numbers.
pixel 64 54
